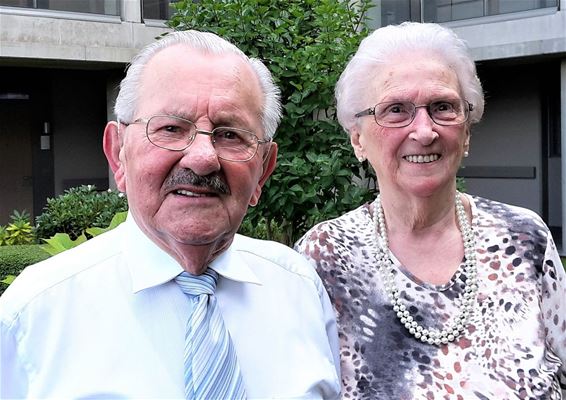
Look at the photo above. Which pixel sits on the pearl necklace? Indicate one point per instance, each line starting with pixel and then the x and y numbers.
pixel 386 269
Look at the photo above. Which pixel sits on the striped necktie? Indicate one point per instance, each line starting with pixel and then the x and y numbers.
pixel 211 367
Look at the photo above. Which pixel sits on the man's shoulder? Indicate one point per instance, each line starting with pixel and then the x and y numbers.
pixel 277 255
pixel 55 271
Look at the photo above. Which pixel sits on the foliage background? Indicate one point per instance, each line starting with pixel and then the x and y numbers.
pixel 13 259
pixel 306 45
pixel 77 209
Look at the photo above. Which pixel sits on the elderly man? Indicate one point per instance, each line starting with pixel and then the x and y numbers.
pixel 172 303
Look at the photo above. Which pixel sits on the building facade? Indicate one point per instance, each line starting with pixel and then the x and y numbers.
pixel 60 65
pixel 61 61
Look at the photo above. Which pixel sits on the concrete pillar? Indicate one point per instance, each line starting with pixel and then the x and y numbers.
pixel 131 11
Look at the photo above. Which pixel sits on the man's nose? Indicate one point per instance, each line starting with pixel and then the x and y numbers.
pixel 201 156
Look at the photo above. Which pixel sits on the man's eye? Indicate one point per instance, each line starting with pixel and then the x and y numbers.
pixel 171 129
pixel 227 135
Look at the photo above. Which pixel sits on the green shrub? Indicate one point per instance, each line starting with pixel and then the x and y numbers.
pixel 263 230
pixel 19 231
pixel 78 209
pixel 3 235
pixel 13 259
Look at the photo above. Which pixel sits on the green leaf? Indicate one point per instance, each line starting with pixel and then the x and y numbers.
pixel 8 279
pixel 61 242
pixel 116 220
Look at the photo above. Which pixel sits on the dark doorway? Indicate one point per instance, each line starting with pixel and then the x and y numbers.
pixel 26 155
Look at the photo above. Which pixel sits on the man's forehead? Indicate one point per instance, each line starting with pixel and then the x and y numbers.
pixel 183 56
pixel 184 73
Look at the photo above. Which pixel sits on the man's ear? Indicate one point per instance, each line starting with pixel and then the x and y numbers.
pixel 269 163
pixel 112 145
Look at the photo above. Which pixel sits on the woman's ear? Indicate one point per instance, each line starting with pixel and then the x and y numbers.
pixel 467 141
pixel 356 145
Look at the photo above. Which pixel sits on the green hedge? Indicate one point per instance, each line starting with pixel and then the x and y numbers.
pixel 13 259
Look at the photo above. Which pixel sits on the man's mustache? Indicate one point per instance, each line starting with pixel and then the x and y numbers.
pixel 211 182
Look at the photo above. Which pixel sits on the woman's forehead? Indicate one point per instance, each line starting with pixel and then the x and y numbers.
pixel 407 76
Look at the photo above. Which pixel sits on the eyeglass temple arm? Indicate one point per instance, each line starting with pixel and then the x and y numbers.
pixel 368 111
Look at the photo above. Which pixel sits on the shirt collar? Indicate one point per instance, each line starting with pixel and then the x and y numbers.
pixel 150 266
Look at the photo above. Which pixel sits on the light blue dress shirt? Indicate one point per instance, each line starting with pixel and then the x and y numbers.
pixel 106 320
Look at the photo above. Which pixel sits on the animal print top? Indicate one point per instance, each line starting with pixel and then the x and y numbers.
pixel 515 345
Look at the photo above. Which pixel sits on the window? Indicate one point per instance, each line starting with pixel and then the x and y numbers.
pixel 158 9
pixel 105 7
pixel 453 10
pixel 387 12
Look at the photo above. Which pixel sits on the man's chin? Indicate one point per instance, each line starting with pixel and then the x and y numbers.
pixel 196 234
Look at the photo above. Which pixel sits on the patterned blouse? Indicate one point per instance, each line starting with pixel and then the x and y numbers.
pixel 514 346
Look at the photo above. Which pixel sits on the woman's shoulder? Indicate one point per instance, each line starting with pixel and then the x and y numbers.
pixel 507 214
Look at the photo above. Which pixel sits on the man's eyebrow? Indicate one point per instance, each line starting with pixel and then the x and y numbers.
pixel 223 118
pixel 174 113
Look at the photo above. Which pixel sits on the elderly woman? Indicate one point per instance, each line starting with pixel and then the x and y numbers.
pixel 439 294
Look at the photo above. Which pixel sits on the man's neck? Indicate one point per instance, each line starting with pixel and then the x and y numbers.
pixel 195 259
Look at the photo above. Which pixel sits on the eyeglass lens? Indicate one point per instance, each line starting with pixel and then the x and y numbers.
pixel 398 114
pixel 176 133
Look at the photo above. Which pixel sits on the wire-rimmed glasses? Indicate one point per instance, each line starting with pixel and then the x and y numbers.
pixel 175 133
pixel 398 114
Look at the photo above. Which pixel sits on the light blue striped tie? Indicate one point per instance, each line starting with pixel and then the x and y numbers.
pixel 211 367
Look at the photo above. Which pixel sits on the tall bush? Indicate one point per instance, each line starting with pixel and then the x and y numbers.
pixel 306 45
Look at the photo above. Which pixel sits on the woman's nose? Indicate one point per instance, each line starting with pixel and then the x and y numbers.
pixel 423 127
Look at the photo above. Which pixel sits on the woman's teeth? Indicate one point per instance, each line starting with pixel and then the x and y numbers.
pixel 422 159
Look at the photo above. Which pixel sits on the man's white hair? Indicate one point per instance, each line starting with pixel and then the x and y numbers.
pixel 128 96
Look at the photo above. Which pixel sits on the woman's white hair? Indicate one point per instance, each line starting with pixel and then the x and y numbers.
pixel 384 46
pixel 127 100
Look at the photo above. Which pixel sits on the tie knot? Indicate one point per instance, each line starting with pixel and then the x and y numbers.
pixel 195 285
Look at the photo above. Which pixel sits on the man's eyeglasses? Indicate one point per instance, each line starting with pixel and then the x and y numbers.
pixel 398 114
pixel 176 133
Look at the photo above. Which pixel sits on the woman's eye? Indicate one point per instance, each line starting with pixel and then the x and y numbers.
pixel 396 108
pixel 443 106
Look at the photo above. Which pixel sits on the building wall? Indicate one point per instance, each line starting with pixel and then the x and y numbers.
pixel 35 35
pixel 524 34
pixel 509 136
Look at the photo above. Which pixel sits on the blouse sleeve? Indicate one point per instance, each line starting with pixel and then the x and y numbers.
pixel 554 306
